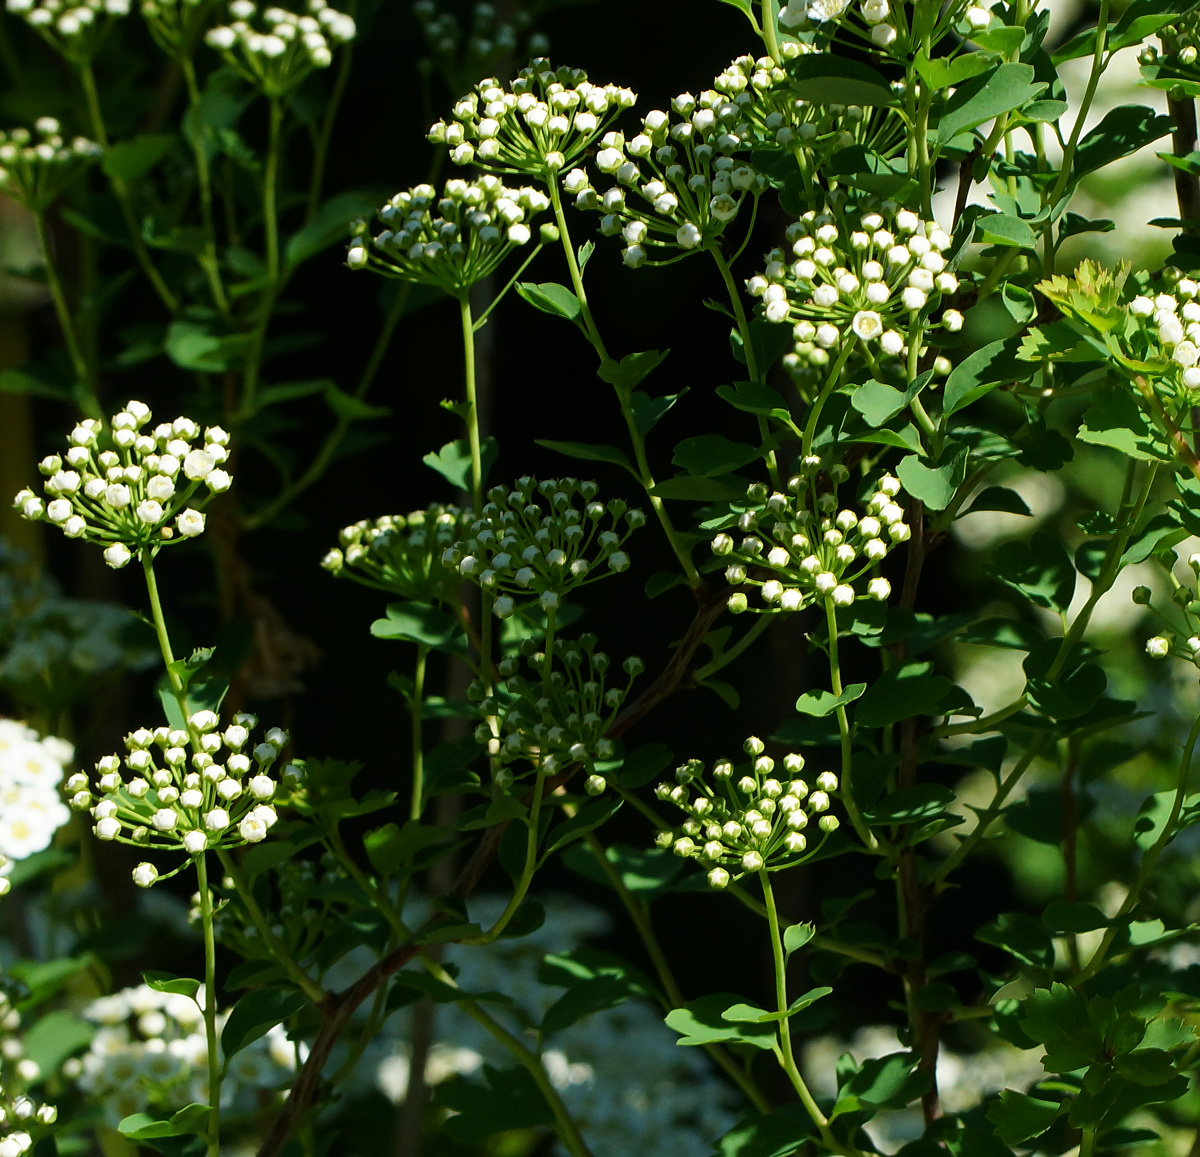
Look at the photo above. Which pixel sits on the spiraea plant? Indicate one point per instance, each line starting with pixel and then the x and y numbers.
pixel 928 493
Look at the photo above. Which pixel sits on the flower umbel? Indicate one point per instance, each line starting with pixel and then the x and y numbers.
pixel 185 790
pixel 74 30
pixel 541 540
pixel 541 124
pixel 402 554
pixel 747 819
pixel 144 492
pixel 36 167
pixel 799 549
pixel 451 241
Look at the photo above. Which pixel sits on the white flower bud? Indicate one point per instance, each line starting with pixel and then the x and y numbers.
pixel 144 875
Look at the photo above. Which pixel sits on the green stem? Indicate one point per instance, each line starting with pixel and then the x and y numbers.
pixel 146 554
pixel 210 1007
pixel 88 80
pixel 321 148
pixel 208 260
pixel 87 400
pixel 279 949
pixel 672 995
pixel 379 897
pixel 568 1132
pixel 831 384
pixel 730 653
pixel 472 416
pixel 644 474
pixel 743 326
pixel 863 832
pixel 785 1055
pixel 270 189
pixel 531 847
pixel 1149 860
pixel 416 711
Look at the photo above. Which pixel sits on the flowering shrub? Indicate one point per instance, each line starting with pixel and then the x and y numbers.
pixel 958 837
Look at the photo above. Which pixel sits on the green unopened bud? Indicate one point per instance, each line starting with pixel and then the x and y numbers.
pixel 1141 596
pixel 594 785
pixel 737 603
pixel 754 746
pixel 548 234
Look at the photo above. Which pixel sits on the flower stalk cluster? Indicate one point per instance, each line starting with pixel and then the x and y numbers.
pixel 559 717
pixel 36 167
pixel 485 47
pixel 747 822
pixel 402 554
pixel 798 549
pixel 144 492
pixel 275 49
pixel 543 123
pixel 871 276
pixel 174 24
pixel 883 24
pixel 541 540
pixel 452 241
pixel 185 790
pixel 75 29
pixel 682 172
pixel 22 1118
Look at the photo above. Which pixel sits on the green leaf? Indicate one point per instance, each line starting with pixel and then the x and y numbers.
pixel 1021 935
pixel 822 703
pixel 289 391
pixel 983 98
pixel 453 461
pixel 934 485
pixel 702 1022
pixel 420 623
pixel 142 1127
pixel 999 498
pixel 649 410
pixel 589 817
pixel 980 373
pixel 646 871
pixel 710 455
pixel 256 1014
pixel 1058 1018
pixel 1116 421
pixel 353 409
pixel 1040 569
pixel 130 160
pixel 552 298
pixel 756 398
pixel 692 488
pixel 945 72
pixel 775 1135
pixel 796 936
pixel 1073 919
pixel 53 1038
pixel 822 78
pixel 588 453
pixel 391 848
pixel 331 224
pixel 901 692
pixel 192 345
pixel 509 1100
pixel 1018 1117
pixel 1160 533
pixel 28 384
pixel 167 982
pixel 1123 131
pixel 595 981
pixel 629 373
pixel 879 402
pixel 1073 693
pixel 921 801
pixel 1005 229
pixel 890 1082
pixel 1145 1066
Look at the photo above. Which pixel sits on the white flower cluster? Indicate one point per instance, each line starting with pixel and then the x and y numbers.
pixel 682 170
pixel 809 557
pixel 187 790
pixel 174 23
pixel 276 49
pixel 542 124
pixel 128 496
pixel 747 822
pixel 1168 326
pixel 73 28
pixel 871 277
pixel 556 722
pixel 21 1117
pixel 402 554
pixel 488 44
pixel 451 241
pixel 31 807
pixel 884 22
pixel 541 540
pixel 36 167
pixel 149 1053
